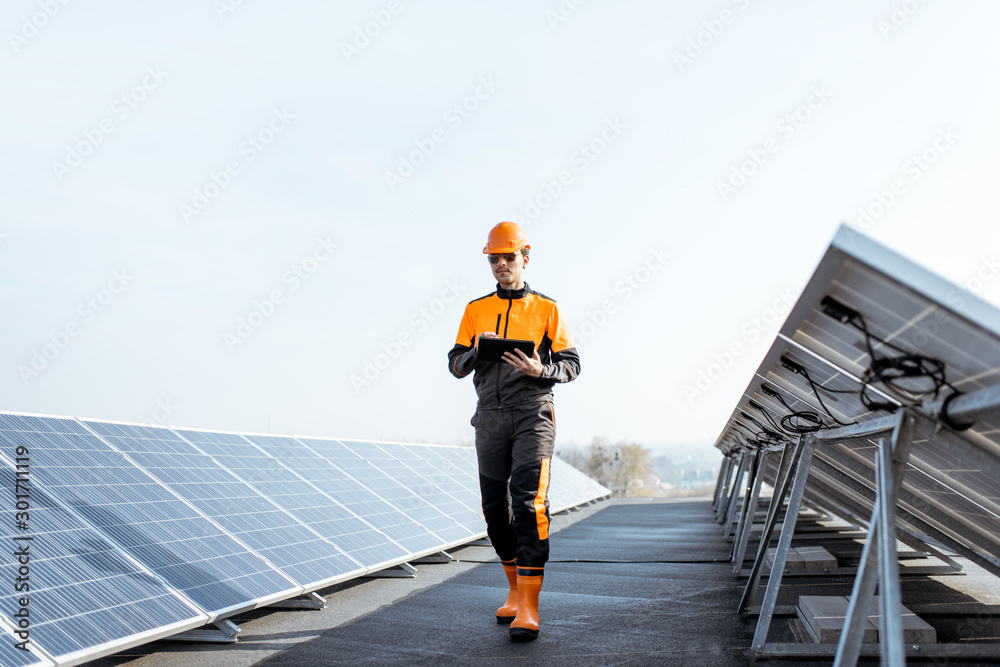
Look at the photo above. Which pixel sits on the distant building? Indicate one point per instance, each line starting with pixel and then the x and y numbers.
pixel 696 478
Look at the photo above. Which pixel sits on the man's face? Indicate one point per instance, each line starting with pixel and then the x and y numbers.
pixel 508 271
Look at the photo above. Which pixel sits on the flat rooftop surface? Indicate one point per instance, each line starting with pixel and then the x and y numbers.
pixel 672 601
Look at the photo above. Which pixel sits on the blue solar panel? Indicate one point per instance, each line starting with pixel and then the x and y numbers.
pixel 429 482
pixel 11 656
pixel 568 487
pixel 141 532
pixel 254 520
pixel 150 523
pixel 311 502
pixel 335 480
pixel 453 473
pixel 380 476
pixel 84 593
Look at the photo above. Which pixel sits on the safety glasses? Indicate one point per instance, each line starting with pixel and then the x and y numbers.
pixel 508 257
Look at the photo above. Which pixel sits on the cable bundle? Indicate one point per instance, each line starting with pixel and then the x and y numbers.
pixel 891 371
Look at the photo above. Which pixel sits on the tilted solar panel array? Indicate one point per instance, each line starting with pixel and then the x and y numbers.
pixel 879 401
pixel 568 487
pixel 139 532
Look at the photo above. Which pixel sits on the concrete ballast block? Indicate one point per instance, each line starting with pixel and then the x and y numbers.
pixel 823 616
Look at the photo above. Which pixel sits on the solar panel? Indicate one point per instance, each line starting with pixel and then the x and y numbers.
pixel 363 475
pixel 456 474
pixel 244 513
pixel 394 528
pixel 142 532
pixel 295 493
pixel 11 656
pixel 85 595
pixel 895 307
pixel 143 517
pixel 891 376
pixel 406 468
pixel 568 487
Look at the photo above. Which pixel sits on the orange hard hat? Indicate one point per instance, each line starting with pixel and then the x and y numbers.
pixel 506 237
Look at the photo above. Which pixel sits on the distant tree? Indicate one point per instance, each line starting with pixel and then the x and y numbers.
pixel 575 457
pixel 599 461
pixel 633 467
pixel 624 467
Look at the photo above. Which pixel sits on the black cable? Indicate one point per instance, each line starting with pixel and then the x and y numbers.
pixel 820 399
pixel 796 421
pixel 765 436
pixel 761 409
pixel 890 370
pixel 887 370
pixel 801 370
pixel 802 422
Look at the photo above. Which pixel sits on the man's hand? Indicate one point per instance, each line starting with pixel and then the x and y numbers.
pixel 487 334
pixel 528 365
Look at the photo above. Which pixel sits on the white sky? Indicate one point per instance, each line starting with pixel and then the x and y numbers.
pixel 678 129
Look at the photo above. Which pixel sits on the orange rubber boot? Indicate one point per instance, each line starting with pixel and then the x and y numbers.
pixel 525 625
pixel 508 611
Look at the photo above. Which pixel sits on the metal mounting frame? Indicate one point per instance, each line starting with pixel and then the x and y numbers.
pixel 403 570
pixel 221 631
pixel 788 462
pixel 879 562
pixel 743 529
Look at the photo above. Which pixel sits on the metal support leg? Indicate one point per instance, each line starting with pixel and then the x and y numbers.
pixel 849 646
pixel 728 469
pixel 403 570
pixel 220 632
pixel 918 545
pixel 734 497
pixel 749 511
pixel 738 517
pixel 720 509
pixel 433 559
pixel 891 470
pixel 723 471
pixel 788 458
pixel 807 446
pixel 879 562
pixel 313 601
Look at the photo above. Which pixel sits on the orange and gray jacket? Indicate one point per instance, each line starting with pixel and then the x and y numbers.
pixel 522 314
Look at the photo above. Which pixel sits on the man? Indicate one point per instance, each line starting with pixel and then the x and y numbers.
pixel 514 420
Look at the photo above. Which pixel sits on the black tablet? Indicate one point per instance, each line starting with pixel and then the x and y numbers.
pixel 492 349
